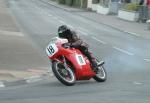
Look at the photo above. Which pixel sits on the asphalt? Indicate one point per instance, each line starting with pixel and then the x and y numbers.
pixel 19 59
pixel 134 28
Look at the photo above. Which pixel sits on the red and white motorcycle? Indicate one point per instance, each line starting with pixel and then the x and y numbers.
pixel 69 64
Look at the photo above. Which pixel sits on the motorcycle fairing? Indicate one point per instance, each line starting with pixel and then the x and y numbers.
pixel 81 64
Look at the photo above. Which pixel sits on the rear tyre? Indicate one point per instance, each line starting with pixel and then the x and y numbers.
pixel 65 76
pixel 101 74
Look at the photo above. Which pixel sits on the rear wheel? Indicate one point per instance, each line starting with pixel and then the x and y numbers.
pixel 64 75
pixel 101 74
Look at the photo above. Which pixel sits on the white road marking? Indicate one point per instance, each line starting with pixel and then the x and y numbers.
pixel 1 84
pixel 55 18
pixel 46 13
pixel 137 83
pixel 135 34
pixel 61 21
pixel 123 51
pixel 82 32
pixel 99 40
pixel 33 79
pixel 147 60
pixel 70 26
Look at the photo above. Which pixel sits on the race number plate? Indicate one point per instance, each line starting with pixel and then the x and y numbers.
pixel 80 59
pixel 51 50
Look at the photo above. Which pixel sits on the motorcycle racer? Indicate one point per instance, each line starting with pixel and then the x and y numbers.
pixel 76 42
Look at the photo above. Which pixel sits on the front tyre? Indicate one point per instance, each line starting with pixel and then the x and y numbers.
pixel 65 76
pixel 101 74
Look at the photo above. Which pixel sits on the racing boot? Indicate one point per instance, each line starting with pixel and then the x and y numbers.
pixel 96 64
pixel 100 63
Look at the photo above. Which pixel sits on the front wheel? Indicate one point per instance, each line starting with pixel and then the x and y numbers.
pixel 101 74
pixel 64 75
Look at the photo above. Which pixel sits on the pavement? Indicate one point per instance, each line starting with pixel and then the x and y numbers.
pixel 19 59
pixel 133 28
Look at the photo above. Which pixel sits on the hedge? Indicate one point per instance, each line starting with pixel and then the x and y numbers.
pixel 69 2
pixel 75 3
pixel 61 1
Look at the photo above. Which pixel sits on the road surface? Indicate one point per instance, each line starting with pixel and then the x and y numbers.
pixel 127 59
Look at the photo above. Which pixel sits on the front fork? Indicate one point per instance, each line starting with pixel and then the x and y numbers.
pixel 65 63
pixel 62 60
